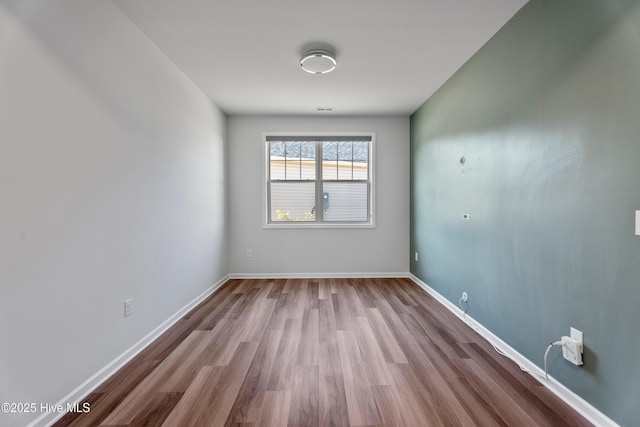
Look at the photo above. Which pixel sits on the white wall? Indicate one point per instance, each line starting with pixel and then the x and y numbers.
pixel 384 249
pixel 112 186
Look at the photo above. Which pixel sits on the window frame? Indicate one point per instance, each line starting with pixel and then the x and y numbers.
pixel 317 136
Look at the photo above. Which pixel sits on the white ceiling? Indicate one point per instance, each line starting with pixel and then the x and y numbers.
pixel 392 55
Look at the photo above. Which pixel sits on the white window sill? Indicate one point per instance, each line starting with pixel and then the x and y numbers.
pixel 302 224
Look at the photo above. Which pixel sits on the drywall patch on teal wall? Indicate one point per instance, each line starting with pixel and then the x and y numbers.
pixel 546 117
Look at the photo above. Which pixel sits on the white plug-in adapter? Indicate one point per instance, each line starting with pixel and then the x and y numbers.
pixel 572 350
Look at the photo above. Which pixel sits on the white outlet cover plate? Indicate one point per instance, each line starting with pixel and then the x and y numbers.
pixel 577 335
pixel 637 223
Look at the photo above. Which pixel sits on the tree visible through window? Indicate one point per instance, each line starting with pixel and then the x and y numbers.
pixel 319 179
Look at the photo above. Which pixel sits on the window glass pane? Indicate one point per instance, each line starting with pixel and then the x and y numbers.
pixel 360 160
pixel 308 160
pixel 345 159
pixel 329 160
pixel 345 201
pixel 292 201
pixel 276 160
pixel 293 165
pixel 293 159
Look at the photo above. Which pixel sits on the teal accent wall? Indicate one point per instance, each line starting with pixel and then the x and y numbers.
pixel 547 117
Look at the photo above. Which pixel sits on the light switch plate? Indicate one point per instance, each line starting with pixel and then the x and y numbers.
pixel 637 223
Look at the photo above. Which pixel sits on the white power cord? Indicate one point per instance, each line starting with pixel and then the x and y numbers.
pixel 546 352
pixel 503 354
pixel 464 309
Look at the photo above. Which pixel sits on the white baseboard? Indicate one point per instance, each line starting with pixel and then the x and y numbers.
pixel 317 275
pixel 84 389
pixel 581 406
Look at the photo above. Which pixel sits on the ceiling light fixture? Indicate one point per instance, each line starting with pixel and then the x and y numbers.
pixel 318 62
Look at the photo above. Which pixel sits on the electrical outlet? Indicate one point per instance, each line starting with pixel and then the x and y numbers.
pixel 128 307
pixel 465 297
pixel 249 253
pixel 415 256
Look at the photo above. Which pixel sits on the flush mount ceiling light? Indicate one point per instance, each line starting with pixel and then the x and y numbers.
pixel 318 62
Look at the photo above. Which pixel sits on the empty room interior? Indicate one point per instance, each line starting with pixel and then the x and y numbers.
pixel 335 213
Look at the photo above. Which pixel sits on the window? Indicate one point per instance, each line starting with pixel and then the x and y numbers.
pixel 319 180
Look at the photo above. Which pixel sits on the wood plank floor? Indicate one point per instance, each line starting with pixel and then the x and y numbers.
pixel 321 352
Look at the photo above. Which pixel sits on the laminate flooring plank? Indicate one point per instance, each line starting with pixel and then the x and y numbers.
pixel 219 312
pixel 137 400
pixel 399 331
pixel 438 333
pixel 324 289
pixel 373 360
pixel 334 285
pixel 332 398
pixel 480 410
pixel 440 314
pixel 195 406
pixel 366 297
pixel 238 330
pixel 309 343
pixel 244 302
pixel 208 352
pixel 563 411
pixel 249 403
pixel 216 342
pixel 399 289
pixel 304 410
pixel 391 414
pixel 500 400
pixel 525 396
pixel 313 294
pixel 242 286
pixel 477 407
pixel 275 410
pixel 355 306
pixel 449 409
pixel 385 338
pixel 281 311
pixel 360 404
pixel 293 286
pixel 281 377
pixel 115 390
pixel 204 308
pixel 81 419
pixel 209 399
pixel 326 321
pixel 448 364
pixel 168 341
pixel 157 410
pixel 276 289
pixel 290 305
pixel 418 409
pixel 251 325
pixel 384 288
pixel 339 312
